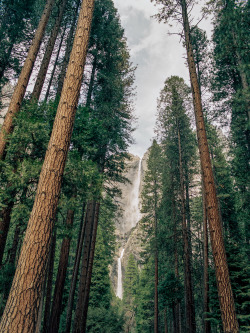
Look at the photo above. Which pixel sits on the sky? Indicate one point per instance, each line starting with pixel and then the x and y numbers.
pixel 157 56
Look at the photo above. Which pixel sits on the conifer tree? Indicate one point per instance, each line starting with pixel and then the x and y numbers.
pixel 39 231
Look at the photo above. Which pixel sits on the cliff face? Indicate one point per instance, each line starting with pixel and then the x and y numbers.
pixel 127 230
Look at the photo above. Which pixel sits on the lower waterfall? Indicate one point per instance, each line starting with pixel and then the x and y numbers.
pixel 119 276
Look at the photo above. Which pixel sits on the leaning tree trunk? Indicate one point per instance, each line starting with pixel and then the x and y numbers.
pixel 190 309
pixel 55 64
pixel 75 272
pixel 207 324
pixel 21 310
pixel 49 49
pixel 89 222
pixel 61 277
pixel 225 293
pixel 18 95
pixel 67 52
pixel 89 272
pixel 49 285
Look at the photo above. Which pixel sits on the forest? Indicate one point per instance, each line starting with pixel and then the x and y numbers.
pixel 67 122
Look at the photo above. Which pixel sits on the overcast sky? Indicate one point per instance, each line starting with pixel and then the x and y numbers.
pixel 157 56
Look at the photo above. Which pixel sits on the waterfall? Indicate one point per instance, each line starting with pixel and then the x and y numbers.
pixel 134 215
pixel 119 277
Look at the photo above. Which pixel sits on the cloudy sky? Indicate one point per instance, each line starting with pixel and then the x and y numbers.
pixel 157 55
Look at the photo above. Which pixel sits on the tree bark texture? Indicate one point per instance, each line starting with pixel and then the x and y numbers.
pixel 75 272
pixel 190 309
pixel 67 52
pixel 89 273
pixel 89 222
pixel 61 277
pixel 22 306
pixel 18 95
pixel 225 294
pixel 49 49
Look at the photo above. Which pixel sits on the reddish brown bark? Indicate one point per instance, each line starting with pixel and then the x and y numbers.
pixel 21 310
pixel 23 80
pixel 225 294
pixel 49 49
pixel 61 276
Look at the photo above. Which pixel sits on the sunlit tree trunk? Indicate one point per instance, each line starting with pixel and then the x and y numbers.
pixel 21 311
pixel 18 95
pixel 225 294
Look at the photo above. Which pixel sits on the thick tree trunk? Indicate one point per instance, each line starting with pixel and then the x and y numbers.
pixel 67 52
pixel 61 277
pixel 18 95
pixel 226 299
pixel 89 221
pixel 49 285
pixel 90 267
pixel 75 272
pixel 190 309
pixel 55 64
pixel 22 306
pixel 49 49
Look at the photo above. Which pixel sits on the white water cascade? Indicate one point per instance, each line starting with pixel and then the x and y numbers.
pixel 119 277
pixel 133 216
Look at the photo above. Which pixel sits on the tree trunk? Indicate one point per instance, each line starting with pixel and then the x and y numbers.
pixel 22 306
pixel 226 299
pixel 75 272
pixel 89 221
pixel 156 313
pixel 190 310
pixel 49 49
pixel 55 64
pixel 13 249
pixel 67 52
pixel 49 285
pixel 18 95
pixel 90 267
pixel 5 216
pixel 61 277
pixel 207 323
pixel 165 321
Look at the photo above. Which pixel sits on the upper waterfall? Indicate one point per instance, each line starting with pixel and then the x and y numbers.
pixel 130 200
